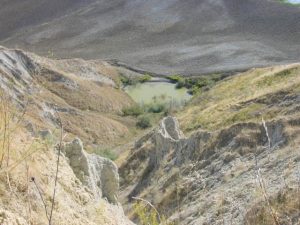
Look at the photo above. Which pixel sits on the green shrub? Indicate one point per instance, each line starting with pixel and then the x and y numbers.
pixel 156 108
pixel 145 78
pixel 181 83
pixel 195 84
pixel 125 80
pixel 134 80
pixel 135 110
pixel 143 122
pixel 174 78
pixel 106 153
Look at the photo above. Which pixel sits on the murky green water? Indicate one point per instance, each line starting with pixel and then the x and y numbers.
pixel 149 92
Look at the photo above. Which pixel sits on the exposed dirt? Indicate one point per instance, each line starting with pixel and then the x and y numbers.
pixel 169 37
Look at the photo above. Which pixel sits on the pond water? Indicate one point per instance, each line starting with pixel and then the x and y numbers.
pixel 149 92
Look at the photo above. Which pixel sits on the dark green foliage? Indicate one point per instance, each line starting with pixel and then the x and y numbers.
pixel 137 110
pixel 143 122
pixel 196 84
pixel 156 108
pixel 134 80
pixel 128 81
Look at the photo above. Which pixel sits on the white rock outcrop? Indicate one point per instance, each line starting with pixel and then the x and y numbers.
pixel 99 174
pixel 169 128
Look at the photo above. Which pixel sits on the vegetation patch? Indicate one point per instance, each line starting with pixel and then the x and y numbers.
pixel 147 214
pixel 246 114
pixel 281 76
pixel 196 84
pixel 134 110
pixel 148 114
pixel 125 80
pixel 286 204
pixel 106 153
pixel 143 122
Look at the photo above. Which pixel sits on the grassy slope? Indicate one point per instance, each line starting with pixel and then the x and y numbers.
pixel 245 97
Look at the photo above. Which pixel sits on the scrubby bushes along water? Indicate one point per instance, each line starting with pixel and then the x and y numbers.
pixel 196 84
pixel 149 113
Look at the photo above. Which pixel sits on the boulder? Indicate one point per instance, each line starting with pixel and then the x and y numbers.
pixel 99 174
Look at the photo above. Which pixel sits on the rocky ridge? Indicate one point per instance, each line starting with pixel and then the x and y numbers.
pixel 210 177
pixel 97 173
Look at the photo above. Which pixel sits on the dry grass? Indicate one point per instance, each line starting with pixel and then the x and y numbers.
pixel 16 152
pixel 147 214
pixel 84 94
pixel 286 204
pixel 237 98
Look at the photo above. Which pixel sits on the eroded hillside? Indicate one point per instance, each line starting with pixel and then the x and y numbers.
pixel 47 176
pixel 85 93
pixel 237 164
pixel 230 156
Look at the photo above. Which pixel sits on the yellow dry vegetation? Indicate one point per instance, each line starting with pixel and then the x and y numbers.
pixel 241 98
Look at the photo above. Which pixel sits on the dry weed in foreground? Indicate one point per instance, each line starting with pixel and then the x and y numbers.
pixel 261 182
pixel 13 156
pixel 148 214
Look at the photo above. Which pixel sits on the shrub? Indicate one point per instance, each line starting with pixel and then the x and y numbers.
pixel 129 80
pixel 134 80
pixel 135 110
pixel 106 153
pixel 195 84
pixel 143 122
pixel 148 215
pixel 174 78
pixel 156 108
pixel 145 78
pixel 181 83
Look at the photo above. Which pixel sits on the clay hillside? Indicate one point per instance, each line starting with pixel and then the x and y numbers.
pixel 166 37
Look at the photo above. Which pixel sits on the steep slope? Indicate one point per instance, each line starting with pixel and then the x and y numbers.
pixel 187 37
pixel 232 167
pixel 85 93
pixel 44 177
pixel 266 92
pixel 27 184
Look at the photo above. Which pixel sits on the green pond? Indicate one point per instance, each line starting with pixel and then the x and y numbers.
pixel 149 92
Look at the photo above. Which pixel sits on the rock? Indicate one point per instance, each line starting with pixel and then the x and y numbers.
pixel 97 173
pixel 202 168
pixel 169 128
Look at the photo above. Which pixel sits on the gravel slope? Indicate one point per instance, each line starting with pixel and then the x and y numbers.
pixel 169 36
